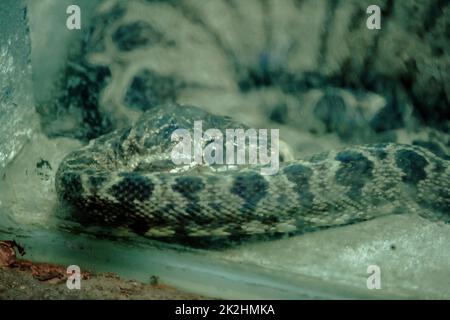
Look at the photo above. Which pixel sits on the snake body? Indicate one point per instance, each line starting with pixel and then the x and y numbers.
pixel 141 58
pixel 127 179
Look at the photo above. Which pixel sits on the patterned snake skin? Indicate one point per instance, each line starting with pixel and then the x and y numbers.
pixel 126 178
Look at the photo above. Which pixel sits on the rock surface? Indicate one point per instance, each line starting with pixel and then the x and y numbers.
pixel 17 116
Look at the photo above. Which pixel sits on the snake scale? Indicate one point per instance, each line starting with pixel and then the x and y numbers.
pixel 126 178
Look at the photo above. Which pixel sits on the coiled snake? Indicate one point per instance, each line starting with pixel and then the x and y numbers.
pixel 126 178
pixel 123 179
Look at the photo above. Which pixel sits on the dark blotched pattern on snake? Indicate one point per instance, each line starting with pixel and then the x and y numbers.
pixel 126 179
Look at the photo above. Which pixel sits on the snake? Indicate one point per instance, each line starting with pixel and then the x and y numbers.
pixel 126 179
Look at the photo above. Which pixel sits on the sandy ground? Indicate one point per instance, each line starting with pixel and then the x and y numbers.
pixel 23 279
pixel 21 284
